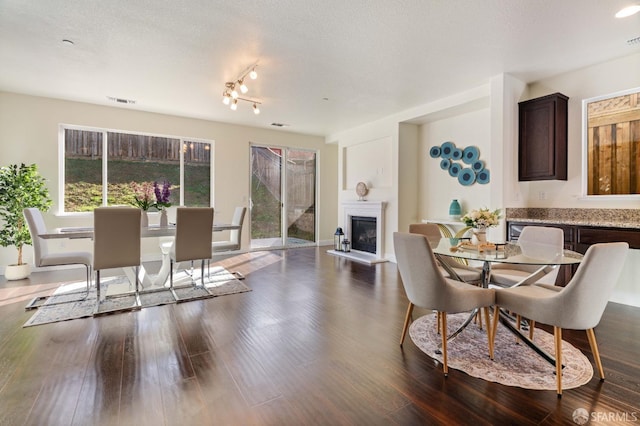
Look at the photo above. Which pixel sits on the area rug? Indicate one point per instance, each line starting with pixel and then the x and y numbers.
pixel 514 364
pixel 70 300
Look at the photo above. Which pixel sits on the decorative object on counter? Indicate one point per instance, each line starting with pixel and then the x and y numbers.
pixel 474 171
pixel 454 209
pixel 21 187
pixel 362 191
pixel 346 246
pixel 480 220
pixel 337 239
pixel 148 196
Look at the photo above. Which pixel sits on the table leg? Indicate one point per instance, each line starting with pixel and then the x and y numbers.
pixel 504 319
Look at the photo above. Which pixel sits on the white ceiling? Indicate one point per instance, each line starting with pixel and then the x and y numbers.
pixel 324 66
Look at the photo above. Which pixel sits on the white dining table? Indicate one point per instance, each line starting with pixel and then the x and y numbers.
pixel 147 282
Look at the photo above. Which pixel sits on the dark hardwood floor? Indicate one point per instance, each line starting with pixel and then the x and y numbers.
pixel 314 343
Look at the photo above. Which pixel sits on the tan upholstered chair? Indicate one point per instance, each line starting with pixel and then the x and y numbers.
pixel 116 241
pixel 466 273
pixel 577 306
pixel 194 230
pixel 42 257
pixel 427 288
pixel 532 240
pixel 235 235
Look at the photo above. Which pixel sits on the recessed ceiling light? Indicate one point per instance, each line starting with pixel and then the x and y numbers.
pixel 628 11
pixel 68 42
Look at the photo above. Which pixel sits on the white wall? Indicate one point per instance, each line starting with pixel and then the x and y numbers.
pixel 29 133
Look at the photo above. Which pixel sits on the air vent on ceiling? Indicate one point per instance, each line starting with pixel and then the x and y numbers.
pixel 121 100
pixel 279 125
pixel 633 41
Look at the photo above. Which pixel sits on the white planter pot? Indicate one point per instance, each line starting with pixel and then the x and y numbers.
pixel 17 272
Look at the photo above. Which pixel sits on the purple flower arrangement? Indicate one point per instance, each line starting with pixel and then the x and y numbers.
pixel 145 192
pixel 162 193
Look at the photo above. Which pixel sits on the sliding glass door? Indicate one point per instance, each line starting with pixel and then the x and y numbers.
pixel 283 197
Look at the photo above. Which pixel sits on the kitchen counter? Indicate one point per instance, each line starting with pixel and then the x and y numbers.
pixel 602 218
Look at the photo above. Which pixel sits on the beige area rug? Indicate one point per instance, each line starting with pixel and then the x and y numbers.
pixel 514 364
pixel 70 301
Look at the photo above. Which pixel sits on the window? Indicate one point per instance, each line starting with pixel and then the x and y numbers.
pixel 102 167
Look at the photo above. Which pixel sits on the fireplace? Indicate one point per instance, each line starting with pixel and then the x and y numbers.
pixel 363 225
pixel 363 234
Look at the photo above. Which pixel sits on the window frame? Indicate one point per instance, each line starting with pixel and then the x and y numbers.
pixel 61 162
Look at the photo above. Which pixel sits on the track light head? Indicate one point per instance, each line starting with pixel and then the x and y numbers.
pixel 234 105
pixel 243 87
pixel 256 110
pixel 253 74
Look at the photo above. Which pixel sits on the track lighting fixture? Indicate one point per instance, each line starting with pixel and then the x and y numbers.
pixel 231 95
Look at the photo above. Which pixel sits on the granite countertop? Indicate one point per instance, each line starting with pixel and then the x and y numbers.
pixel 612 218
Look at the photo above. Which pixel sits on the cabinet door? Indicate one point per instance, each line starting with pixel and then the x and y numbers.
pixel 542 139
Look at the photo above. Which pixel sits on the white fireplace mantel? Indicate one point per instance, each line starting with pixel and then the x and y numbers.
pixel 374 209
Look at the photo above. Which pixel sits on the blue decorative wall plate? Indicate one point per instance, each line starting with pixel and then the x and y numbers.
pixel 470 154
pixel 434 152
pixel 466 177
pixel 456 154
pixel 454 170
pixel 445 163
pixel 483 176
pixel 446 149
pixel 477 166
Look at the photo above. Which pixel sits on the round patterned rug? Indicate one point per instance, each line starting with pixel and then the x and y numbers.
pixel 514 364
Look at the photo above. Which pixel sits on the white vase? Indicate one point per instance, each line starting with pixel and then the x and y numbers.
pixel 164 221
pixel 144 219
pixel 479 236
pixel 17 272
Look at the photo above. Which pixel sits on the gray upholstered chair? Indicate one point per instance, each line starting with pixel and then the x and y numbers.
pixel 466 273
pixel 42 256
pixel 577 306
pixel 235 235
pixel 194 234
pixel 532 240
pixel 427 288
pixel 116 241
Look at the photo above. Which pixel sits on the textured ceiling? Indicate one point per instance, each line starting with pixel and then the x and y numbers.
pixel 324 66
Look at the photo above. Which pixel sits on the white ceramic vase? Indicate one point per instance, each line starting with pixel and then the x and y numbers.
pixel 478 236
pixel 144 219
pixel 164 221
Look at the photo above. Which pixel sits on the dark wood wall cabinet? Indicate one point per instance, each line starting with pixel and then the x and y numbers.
pixel 579 238
pixel 542 141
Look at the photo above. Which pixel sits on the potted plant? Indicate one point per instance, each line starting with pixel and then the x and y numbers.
pixel 20 187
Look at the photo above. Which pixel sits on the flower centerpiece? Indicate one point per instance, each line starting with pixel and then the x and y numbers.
pixel 147 195
pixel 143 195
pixel 162 200
pixel 162 194
pixel 480 220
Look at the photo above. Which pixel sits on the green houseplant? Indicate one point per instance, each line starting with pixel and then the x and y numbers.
pixel 20 187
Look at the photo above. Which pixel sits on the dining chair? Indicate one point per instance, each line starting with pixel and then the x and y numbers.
pixel 577 306
pixel 534 241
pixel 427 288
pixel 235 235
pixel 116 242
pixel 194 235
pixel 465 272
pixel 42 256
